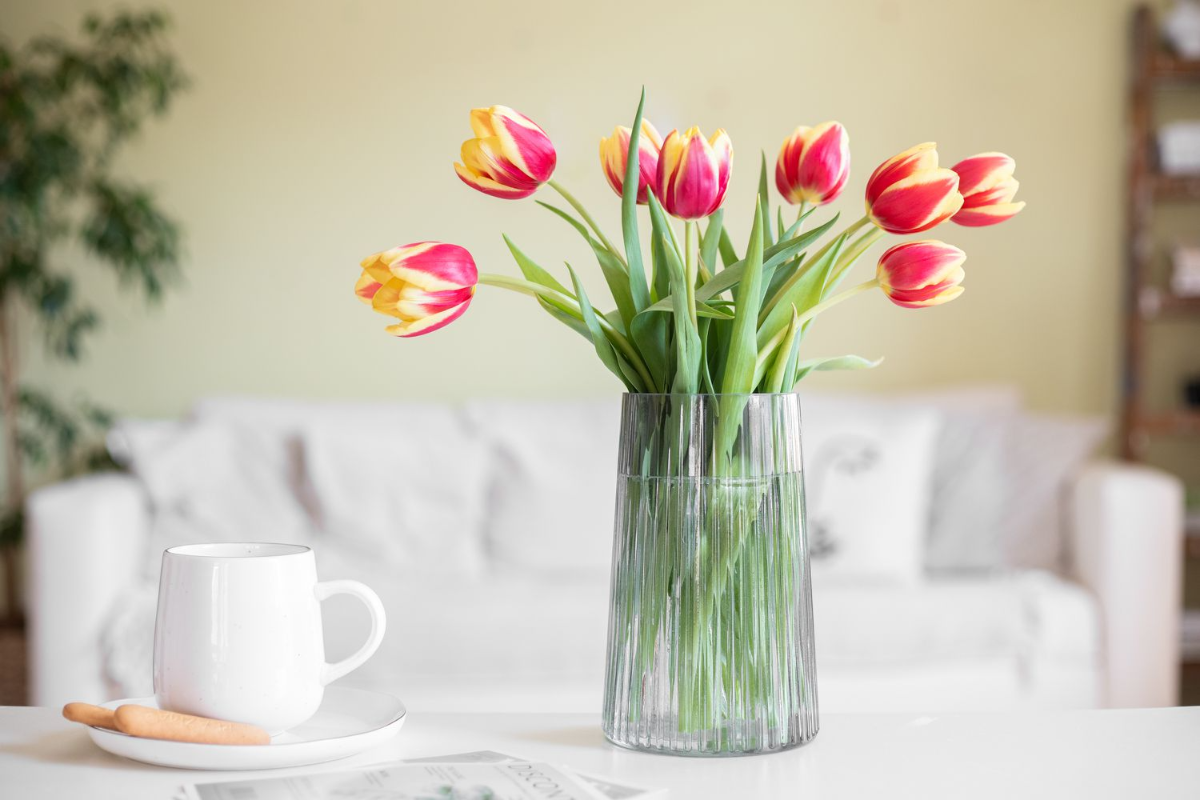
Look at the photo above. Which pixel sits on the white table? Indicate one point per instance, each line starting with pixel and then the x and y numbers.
pixel 1086 754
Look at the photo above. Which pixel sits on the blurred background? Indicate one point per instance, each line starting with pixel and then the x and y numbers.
pixel 308 135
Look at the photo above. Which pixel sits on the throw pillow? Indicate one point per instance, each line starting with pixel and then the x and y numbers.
pixel 404 484
pixel 552 482
pixel 1045 450
pixel 868 468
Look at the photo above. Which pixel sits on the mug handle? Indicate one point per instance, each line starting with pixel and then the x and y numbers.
pixel 331 672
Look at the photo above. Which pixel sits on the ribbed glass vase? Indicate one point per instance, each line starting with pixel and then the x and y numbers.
pixel 710 632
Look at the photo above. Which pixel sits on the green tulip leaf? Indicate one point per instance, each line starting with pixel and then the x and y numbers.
pixel 615 274
pixel 688 348
pixel 832 363
pixel 536 274
pixel 604 348
pixel 738 380
pixel 784 363
pixel 743 347
pixel 710 243
pixel 804 291
pixel 639 291
pixel 729 256
pixel 764 205
pixel 732 274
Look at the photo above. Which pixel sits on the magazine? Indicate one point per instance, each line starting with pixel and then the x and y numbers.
pixel 480 775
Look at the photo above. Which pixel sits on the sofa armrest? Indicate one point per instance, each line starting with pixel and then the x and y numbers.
pixel 85 541
pixel 1127 533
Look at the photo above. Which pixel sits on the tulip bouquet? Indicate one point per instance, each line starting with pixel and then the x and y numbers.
pixel 710 637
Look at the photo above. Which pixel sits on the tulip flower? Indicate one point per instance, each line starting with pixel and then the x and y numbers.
pixel 693 173
pixel 510 155
pixel 813 164
pixel 614 157
pixel 909 193
pixel 987 185
pixel 426 285
pixel 921 273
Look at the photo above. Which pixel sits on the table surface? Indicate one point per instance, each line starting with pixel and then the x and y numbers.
pixel 1094 754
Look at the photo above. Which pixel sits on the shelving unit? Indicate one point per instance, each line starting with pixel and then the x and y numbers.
pixel 1147 301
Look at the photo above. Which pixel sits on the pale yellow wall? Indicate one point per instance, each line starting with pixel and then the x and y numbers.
pixel 319 132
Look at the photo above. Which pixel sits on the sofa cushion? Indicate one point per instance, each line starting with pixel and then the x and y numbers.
pixel 1044 451
pixel 967 528
pixel 867 472
pixel 552 484
pixel 1017 615
pixel 214 480
pixel 400 482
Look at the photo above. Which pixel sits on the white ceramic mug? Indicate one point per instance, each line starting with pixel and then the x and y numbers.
pixel 238 633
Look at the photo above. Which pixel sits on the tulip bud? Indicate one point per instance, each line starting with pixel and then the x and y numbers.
pixel 425 285
pixel 909 193
pixel 813 164
pixel 614 158
pixel 693 173
pixel 510 155
pixel 921 273
pixel 987 185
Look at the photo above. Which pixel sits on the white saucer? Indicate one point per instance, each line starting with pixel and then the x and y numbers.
pixel 349 721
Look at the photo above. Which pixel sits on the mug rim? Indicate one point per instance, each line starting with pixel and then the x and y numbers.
pixel 197 550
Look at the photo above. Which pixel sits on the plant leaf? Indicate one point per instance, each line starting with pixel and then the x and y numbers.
pixel 738 380
pixel 638 289
pixel 604 349
pixel 732 274
pixel 779 368
pixel 804 293
pixel 613 270
pixel 728 254
pixel 710 243
pixel 831 363
pixel 688 348
pixel 743 347
pixel 538 275
pixel 764 204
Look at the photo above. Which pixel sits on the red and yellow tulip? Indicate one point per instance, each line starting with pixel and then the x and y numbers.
pixel 510 156
pixel 813 164
pixel 693 173
pixel 614 158
pixel 909 193
pixel 425 285
pixel 987 185
pixel 921 273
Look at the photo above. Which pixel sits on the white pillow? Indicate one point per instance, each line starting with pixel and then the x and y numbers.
pixel 215 480
pixel 405 484
pixel 1044 451
pixel 553 482
pixel 867 473
pixel 968 502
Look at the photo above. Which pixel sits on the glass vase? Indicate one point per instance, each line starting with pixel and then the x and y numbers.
pixel 710 633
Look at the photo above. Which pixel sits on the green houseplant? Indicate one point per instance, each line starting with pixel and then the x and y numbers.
pixel 66 108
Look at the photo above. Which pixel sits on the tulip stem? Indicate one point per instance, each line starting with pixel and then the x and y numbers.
pixel 799 273
pixel 689 237
pixel 859 247
pixel 591 223
pixel 571 305
pixel 800 212
pixel 829 303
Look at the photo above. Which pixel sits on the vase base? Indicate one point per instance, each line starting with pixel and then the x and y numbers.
pixel 698 752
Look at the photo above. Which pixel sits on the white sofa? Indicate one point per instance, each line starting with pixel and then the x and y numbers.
pixel 486 529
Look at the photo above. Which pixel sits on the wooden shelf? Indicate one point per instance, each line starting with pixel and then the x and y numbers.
pixel 1191 541
pixel 1175 187
pixel 1171 423
pixel 1154 303
pixel 1168 67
